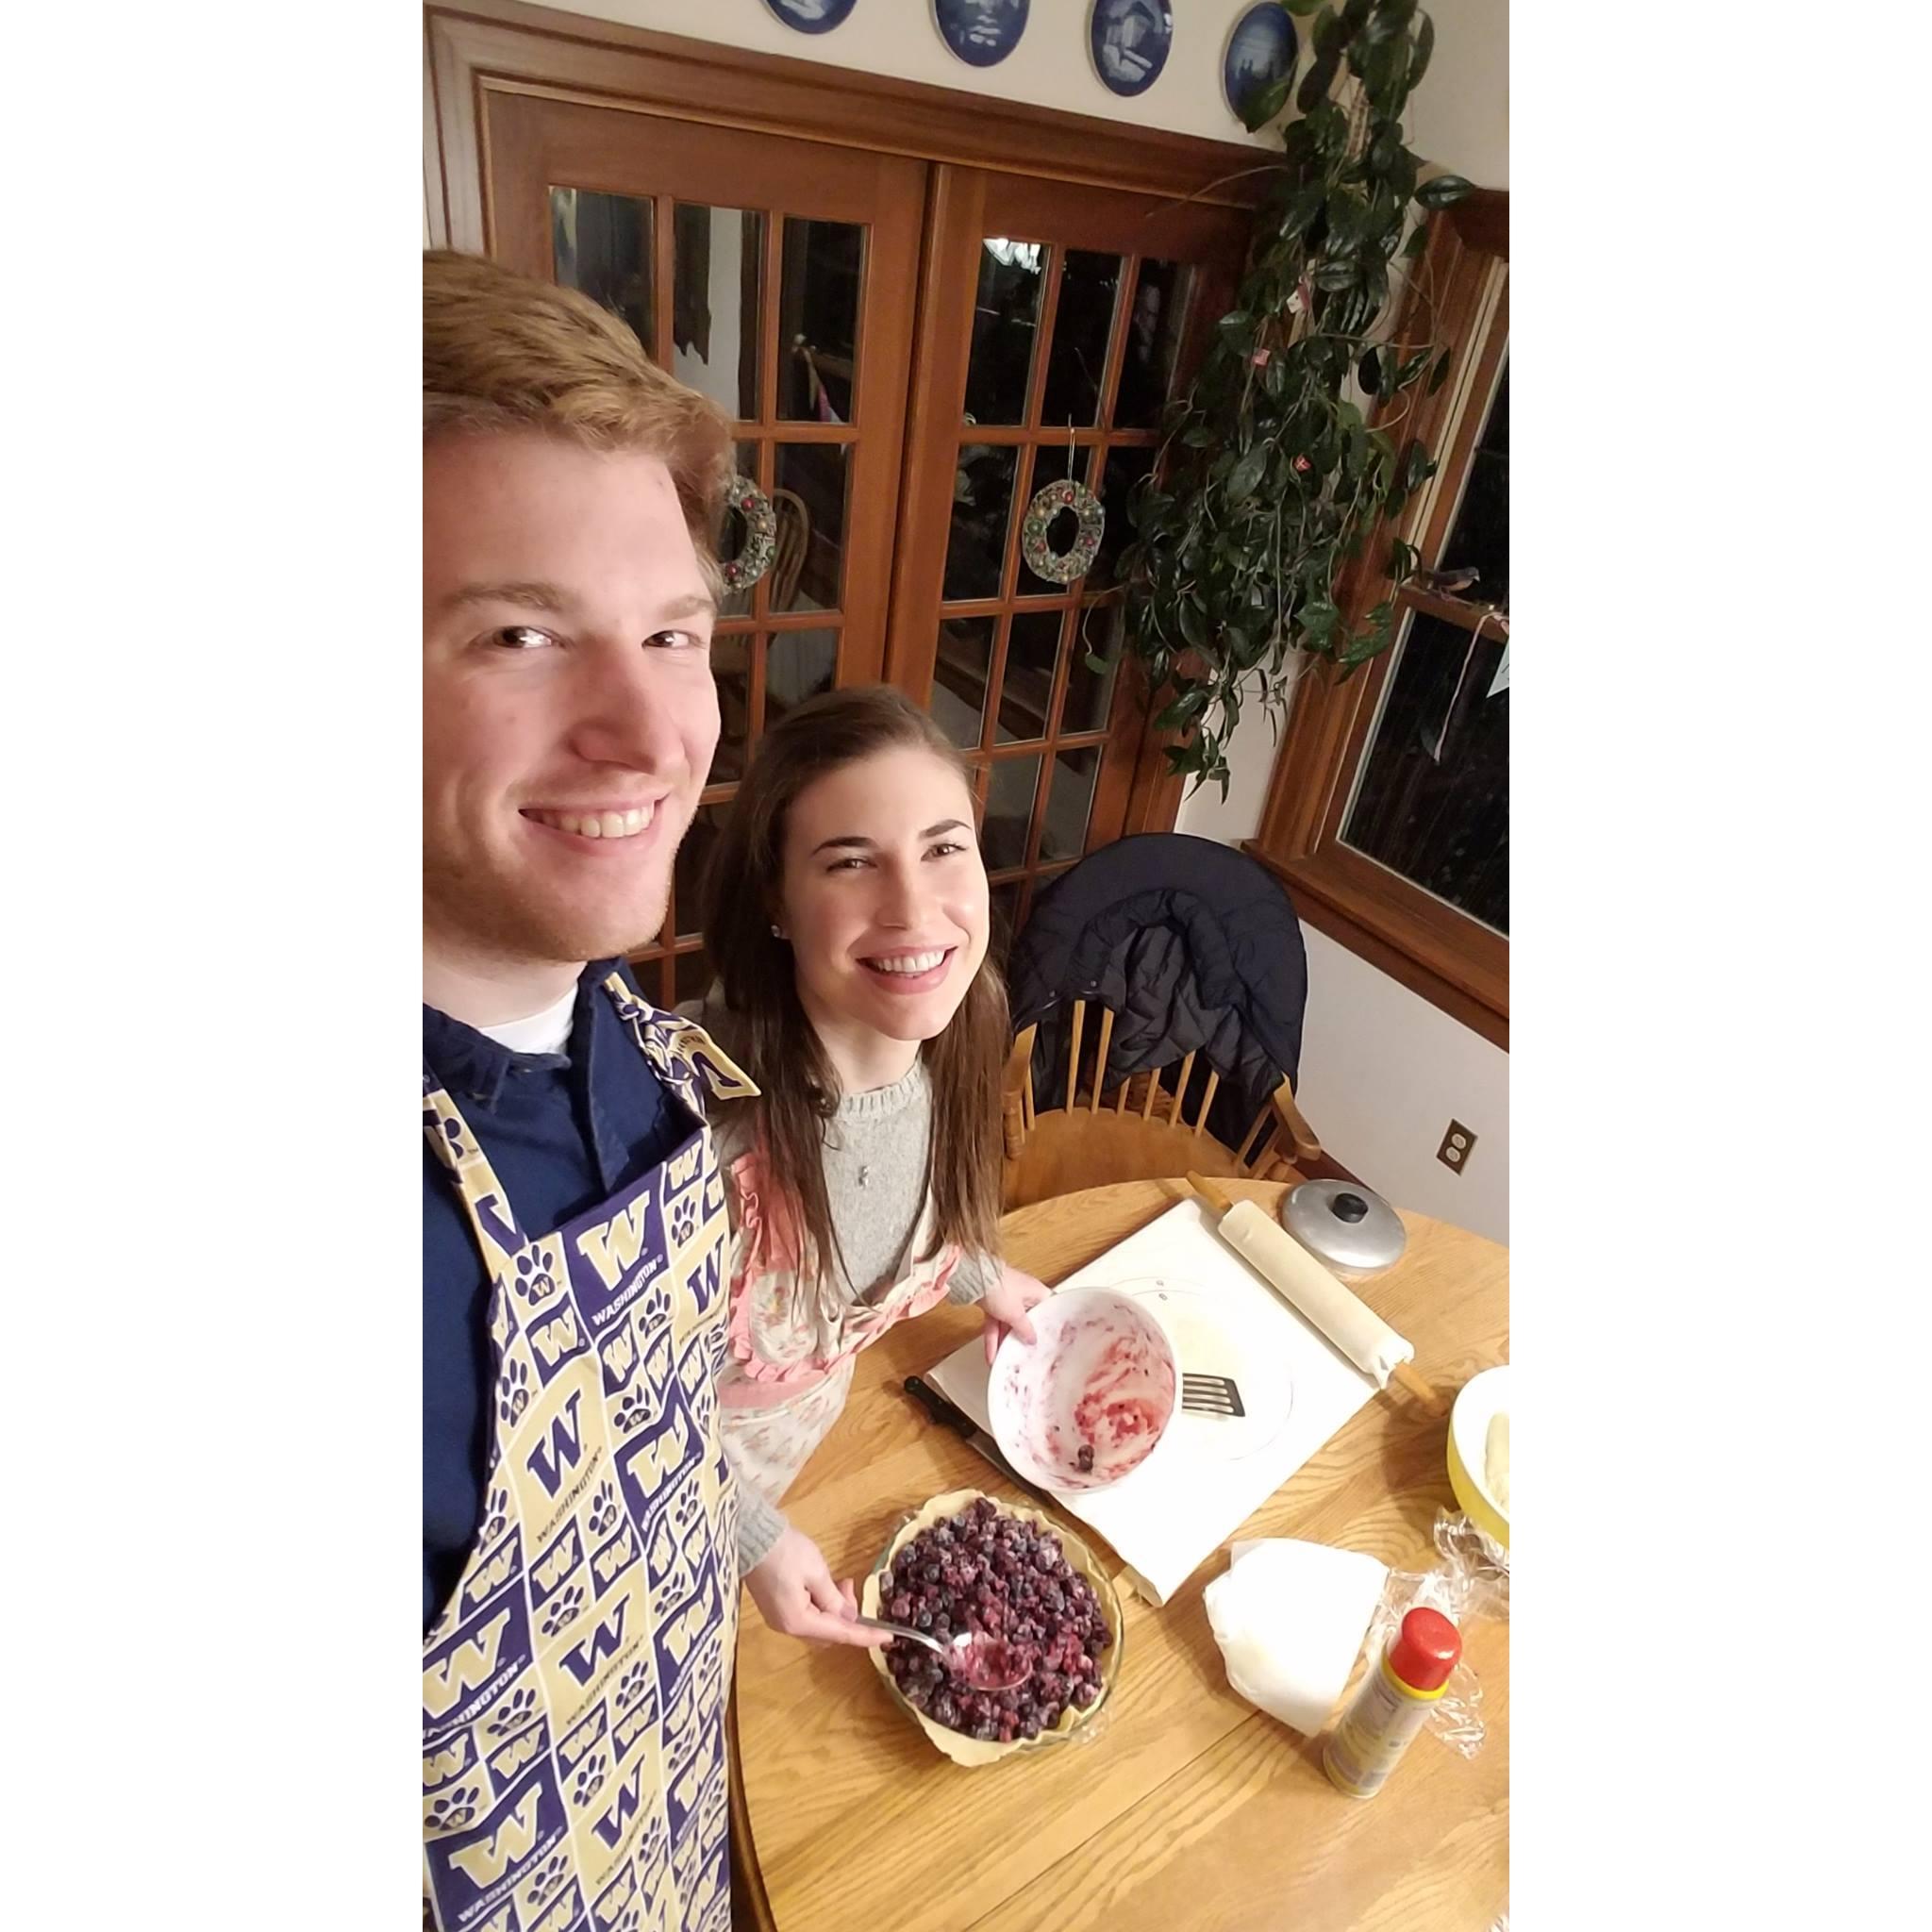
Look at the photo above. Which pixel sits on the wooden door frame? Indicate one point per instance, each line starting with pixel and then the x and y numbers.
pixel 485 45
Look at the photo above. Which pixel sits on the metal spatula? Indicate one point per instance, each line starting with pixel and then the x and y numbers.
pixel 1211 1396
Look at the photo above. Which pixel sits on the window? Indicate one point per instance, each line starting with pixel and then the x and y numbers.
pixel 1388 815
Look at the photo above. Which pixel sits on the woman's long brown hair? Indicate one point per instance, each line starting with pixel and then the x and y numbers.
pixel 742 900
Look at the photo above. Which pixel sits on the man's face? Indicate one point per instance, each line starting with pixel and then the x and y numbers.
pixel 568 714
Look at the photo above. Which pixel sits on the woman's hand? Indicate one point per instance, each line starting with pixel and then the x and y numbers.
pixel 795 1592
pixel 1006 1304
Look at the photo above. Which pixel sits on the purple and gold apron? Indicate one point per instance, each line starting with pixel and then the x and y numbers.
pixel 573 1687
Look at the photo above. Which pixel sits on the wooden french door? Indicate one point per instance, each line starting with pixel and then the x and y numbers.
pixel 774 276
pixel 781 276
pixel 1056 321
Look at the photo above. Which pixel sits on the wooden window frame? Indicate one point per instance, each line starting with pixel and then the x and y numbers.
pixel 1454 961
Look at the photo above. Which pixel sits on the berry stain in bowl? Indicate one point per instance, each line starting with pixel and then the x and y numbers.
pixel 1086 1402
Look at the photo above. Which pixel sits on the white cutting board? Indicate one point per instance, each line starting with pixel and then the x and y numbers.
pixel 1211 1474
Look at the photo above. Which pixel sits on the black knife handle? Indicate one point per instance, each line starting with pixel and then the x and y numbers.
pixel 939 1407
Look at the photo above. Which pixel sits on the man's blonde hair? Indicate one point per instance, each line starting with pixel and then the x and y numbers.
pixel 502 351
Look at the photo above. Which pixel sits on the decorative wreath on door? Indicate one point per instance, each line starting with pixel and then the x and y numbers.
pixel 1042 559
pixel 760 543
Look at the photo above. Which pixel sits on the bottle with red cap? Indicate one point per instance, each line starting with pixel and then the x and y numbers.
pixel 1392 1704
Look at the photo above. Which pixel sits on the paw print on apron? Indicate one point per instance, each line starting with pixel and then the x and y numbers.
pixel 512 1392
pixel 514 1827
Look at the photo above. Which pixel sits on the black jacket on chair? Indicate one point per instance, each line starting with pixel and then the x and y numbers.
pixel 1195 946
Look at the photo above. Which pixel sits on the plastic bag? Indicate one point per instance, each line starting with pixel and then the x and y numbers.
pixel 1470 1579
pixel 1292 1619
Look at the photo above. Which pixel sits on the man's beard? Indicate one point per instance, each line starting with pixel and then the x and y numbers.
pixel 481 911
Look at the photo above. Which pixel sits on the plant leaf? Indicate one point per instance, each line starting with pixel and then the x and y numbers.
pixel 1425 47
pixel 1260 104
pixel 1247 472
pixel 1320 617
pixel 1444 190
pixel 1315 85
pixel 1190 704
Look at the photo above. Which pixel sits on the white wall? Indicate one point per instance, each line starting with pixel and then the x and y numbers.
pixel 1383 1075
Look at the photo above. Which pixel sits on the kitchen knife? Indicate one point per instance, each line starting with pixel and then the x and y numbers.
pixel 954 1417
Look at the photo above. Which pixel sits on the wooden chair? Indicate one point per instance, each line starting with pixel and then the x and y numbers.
pixel 1140 1132
pixel 791 546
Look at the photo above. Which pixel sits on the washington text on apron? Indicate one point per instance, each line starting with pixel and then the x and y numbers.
pixel 573 1687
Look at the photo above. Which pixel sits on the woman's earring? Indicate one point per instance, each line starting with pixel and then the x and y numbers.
pixel 775 933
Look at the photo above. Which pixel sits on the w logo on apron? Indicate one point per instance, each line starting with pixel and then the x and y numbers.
pixel 579 1644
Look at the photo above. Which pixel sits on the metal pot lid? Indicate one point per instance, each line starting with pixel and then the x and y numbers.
pixel 1345 1223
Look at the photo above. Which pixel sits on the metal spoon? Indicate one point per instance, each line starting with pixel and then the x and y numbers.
pixel 985 1662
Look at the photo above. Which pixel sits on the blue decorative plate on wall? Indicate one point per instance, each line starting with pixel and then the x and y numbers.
pixel 981 32
pixel 1130 40
pixel 1261 49
pixel 811 16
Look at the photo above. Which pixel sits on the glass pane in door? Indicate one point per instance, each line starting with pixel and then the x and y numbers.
pixel 799 664
pixel 819 293
pixel 982 510
pixel 1124 468
pixel 1008 811
pixel 717 268
pixel 809 500
pixel 602 243
pixel 1005 316
pixel 1063 832
pixel 1083 321
pixel 1154 341
pixel 1033 654
pixel 960 668
pixel 1101 631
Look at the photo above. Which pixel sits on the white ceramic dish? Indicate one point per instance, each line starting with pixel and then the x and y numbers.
pixel 1102 1373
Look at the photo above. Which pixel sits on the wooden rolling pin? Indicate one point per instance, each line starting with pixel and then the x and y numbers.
pixel 1314 1293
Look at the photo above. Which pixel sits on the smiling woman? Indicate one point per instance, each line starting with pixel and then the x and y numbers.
pixel 847 913
pixel 847 917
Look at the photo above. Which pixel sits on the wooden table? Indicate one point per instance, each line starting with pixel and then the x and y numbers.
pixel 1191 1810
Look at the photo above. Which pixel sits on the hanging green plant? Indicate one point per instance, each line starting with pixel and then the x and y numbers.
pixel 1270 480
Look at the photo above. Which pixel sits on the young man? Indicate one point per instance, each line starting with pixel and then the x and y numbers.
pixel 579 1588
